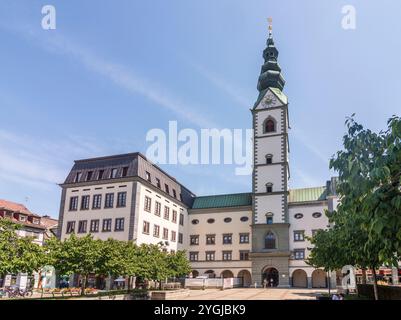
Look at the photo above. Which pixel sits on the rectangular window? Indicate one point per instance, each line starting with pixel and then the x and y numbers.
pixel 166 213
pixel 100 175
pixel 82 226
pixel 125 172
pixel 210 239
pixel 174 218
pixel 89 176
pixel 97 201
pixel 165 233
pixel 148 177
pixel 269 220
pixel 94 225
pixel 121 199
pixel 173 236
pixel 119 224
pixel 299 235
pixel 146 227
pixel 299 254
pixel 193 256
pixel 106 225
pixel 167 188
pixel 158 184
pixel 85 203
pixel 244 255
pixel 158 208
pixel 156 231
pixel 148 203
pixel 244 238
pixel 174 193
pixel 70 227
pixel 78 176
pixel 194 240
pixel 109 200
pixel 181 219
pixel 209 255
pixel 113 173
pixel 22 218
pixel 227 238
pixel 227 255
pixel 180 237
pixel 73 203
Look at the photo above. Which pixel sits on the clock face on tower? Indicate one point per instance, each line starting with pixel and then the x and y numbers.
pixel 268 101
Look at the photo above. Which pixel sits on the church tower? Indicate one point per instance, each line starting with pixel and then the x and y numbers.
pixel 270 228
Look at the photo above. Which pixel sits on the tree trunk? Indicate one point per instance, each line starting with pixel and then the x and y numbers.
pixel 329 282
pixel 364 276
pixel 375 289
pixel 83 284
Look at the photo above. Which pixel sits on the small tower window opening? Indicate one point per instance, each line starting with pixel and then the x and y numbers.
pixel 269 187
pixel 270 241
pixel 269 218
pixel 269 125
pixel 269 159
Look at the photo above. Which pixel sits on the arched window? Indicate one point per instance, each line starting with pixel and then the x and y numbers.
pixel 269 187
pixel 269 159
pixel 270 241
pixel 269 125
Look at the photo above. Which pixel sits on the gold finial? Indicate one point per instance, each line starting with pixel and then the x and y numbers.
pixel 270 20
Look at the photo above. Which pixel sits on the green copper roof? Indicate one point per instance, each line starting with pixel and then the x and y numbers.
pixel 222 201
pixel 308 194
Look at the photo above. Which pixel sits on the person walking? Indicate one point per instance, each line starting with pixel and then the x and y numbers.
pixel 265 283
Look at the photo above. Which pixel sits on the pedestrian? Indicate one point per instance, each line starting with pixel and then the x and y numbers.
pixel 265 283
pixel 271 282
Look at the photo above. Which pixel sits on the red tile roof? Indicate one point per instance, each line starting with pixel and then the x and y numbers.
pixel 15 207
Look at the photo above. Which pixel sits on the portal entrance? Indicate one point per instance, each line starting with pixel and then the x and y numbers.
pixel 270 277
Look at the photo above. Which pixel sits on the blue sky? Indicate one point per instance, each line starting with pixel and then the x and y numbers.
pixel 113 70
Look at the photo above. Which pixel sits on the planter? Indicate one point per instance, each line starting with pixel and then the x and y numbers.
pixel 169 294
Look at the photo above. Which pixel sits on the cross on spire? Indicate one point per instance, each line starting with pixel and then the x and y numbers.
pixel 270 21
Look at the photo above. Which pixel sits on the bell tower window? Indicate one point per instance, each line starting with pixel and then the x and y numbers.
pixel 269 187
pixel 269 159
pixel 269 125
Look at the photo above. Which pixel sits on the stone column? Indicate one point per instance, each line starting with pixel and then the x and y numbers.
pixel 309 282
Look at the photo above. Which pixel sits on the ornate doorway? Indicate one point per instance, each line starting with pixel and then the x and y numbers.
pixel 270 277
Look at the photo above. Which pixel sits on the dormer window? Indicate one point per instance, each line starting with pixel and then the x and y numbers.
pixel 22 218
pixel 148 176
pixel 167 188
pixel 125 172
pixel 174 193
pixel 113 173
pixel 78 176
pixel 269 187
pixel 158 183
pixel 89 175
pixel 269 159
pixel 100 176
pixel 35 220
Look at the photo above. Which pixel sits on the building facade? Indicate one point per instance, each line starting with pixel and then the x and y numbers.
pixel 259 237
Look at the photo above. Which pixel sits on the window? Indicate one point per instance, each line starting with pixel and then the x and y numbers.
pixel 299 254
pixel 269 220
pixel 158 183
pixel 194 240
pixel 148 204
pixel 94 226
pixel 244 255
pixel 167 188
pixel 100 175
pixel 269 159
pixel 70 227
pixel 173 236
pixel 78 176
pixel 73 203
pixel 121 199
pixel 209 255
pixel 210 239
pixel 298 216
pixel 89 175
pixel 180 237
pixel 156 231
pixel 244 219
pixel 269 187
pixel 174 193
pixel 82 226
pixel 270 241
pixel 210 220
pixel 106 225
pixel 166 213
pixel 227 255
pixel 158 208
pixel 174 218
pixel 109 200
pixel 119 224
pixel 227 220
pixel 97 201
pixel 124 172
pixel 269 126
pixel 193 256
pixel 195 221
pixel 244 238
pixel 85 203
pixel 148 176
pixel 146 227
pixel 165 233
pixel 316 215
pixel 181 219
pixel 22 218
pixel 227 238
pixel 113 173
pixel 35 221
pixel 299 235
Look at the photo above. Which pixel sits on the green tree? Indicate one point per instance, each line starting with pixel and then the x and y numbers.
pixel 178 264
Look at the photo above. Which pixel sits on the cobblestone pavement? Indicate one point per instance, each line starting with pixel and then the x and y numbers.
pixel 256 294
